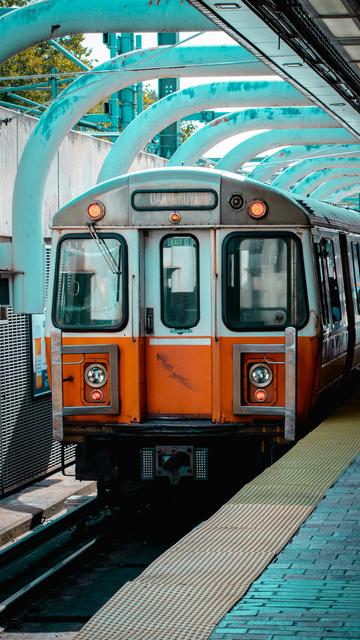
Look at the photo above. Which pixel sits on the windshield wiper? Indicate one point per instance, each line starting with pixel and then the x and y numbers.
pixel 104 249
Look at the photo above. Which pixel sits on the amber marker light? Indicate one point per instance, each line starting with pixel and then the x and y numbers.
pixel 96 210
pixel 257 209
pixel 260 395
pixel 175 217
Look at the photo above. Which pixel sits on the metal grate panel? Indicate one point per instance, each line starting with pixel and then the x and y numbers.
pixel 26 447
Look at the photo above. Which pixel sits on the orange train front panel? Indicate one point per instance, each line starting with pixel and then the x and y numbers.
pixel 179 380
pixel 308 354
pixel 178 377
pixel 130 378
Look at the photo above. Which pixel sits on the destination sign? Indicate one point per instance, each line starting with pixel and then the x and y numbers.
pixel 169 200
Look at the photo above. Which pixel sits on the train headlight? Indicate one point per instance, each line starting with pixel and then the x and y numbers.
pixel 96 375
pixel 260 375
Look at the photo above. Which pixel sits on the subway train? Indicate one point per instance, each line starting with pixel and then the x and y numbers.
pixel 190 308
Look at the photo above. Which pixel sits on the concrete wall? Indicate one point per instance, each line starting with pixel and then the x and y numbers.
pixel 74 169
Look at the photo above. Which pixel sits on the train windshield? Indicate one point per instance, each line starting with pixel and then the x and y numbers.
pixel 265 286
pixel 91 288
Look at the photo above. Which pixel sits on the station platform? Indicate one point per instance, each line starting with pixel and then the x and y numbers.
pixel 280 560
pixel 22 511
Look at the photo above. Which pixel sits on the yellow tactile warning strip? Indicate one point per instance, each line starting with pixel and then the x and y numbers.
pixel 187 590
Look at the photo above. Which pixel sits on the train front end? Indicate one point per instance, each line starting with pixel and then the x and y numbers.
pixel 180 319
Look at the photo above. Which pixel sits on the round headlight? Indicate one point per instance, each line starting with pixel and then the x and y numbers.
pixel 96 375
pixel 260 375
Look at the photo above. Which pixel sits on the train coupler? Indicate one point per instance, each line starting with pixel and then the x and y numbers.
pixel 174 462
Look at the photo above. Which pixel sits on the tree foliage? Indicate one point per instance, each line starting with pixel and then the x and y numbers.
pixel 187 128
pixel 149 95
pixel 40 59
pixel 43 58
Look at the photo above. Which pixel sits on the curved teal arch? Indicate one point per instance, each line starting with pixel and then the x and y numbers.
pixel 301 169
pixel 39 21
pixel 303 141
pixel 327 190
pixel 57 121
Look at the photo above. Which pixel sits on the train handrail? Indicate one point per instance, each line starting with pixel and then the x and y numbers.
pixel 290 383
pixel 56 384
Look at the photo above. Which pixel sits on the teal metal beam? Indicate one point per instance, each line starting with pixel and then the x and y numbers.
pixel 326 191
pixel 241 121
pixel 65 111
pixel 37 105
pixel 186 101
pixel 298 175
pixel 19 107
pixel 39 21
pixel 68 55
pixel 260 142
pixel 315 180
pixel 26 87
pixel 297 171
pixel 273 163
pixel 346 192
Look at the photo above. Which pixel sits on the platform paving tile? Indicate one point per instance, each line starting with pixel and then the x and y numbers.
pixel 312 589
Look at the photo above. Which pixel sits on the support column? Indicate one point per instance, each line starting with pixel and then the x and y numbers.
pixel 169 137
pixel 127 101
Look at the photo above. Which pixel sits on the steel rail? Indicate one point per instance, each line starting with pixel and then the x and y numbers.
pixel 45 532
pixel 22 563
pixel 16 598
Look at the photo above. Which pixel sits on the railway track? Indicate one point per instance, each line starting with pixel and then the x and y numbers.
pixel 53 584
pixel 34 561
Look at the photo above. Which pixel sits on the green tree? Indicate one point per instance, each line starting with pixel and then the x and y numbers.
pixel 149 95
pixel 187 128
pixel 40 59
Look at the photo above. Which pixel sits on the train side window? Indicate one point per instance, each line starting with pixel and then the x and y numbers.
pixel 322 285
pixel 263 282
pixel 356 262
pixel 329 254
pixel 180 305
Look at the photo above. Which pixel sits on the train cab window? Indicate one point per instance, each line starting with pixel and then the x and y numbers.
pixel 90 285
pixel 180 308
pixel 263 283
pixel 356 261
pixel 329 254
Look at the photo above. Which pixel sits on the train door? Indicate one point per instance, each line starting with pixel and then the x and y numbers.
pixel 333 307
pixel 177 297
pixel 352 254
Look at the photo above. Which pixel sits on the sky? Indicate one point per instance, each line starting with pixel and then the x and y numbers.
pixel 101 53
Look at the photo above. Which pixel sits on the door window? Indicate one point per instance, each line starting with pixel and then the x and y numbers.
pixel 322 284
pixel 329 254
pixel 180 307
pixel 356 261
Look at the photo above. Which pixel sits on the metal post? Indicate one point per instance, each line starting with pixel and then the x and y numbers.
pixel 113 44
pixel 53 83
pixel 169 137
pixel 139 85
pixel 127 95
